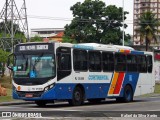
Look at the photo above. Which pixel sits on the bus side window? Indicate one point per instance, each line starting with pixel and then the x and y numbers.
pixel 142 63
pixel 120 60
pixel 131 63
pixel 80 60
pixel 63 62
pixel 94 61
pixel 108 61
pixel 149 64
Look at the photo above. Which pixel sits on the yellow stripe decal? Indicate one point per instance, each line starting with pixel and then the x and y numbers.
pixel 113 84
pixel 121 50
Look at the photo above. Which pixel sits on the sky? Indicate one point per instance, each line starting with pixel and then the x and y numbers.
pixel 56 13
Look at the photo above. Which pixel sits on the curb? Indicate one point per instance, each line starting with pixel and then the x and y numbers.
pixel 16 103
pixel 155 95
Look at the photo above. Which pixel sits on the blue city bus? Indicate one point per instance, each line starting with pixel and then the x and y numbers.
pixel 45 72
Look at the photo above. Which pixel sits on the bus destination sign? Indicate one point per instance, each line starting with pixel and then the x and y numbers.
pixel 33 47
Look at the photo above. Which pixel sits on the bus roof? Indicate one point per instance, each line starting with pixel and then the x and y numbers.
pixel 102 46
pixel 95 46
pixel 89 45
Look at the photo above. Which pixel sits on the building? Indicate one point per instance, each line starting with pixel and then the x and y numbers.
pixel 48 34
pixel 141 6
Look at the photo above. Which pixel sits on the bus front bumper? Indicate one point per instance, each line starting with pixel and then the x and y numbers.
pixel 32 96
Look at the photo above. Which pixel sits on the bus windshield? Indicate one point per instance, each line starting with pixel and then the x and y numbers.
pixel 34 66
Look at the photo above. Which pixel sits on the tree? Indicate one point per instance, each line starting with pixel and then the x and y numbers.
pixel 7 25
pixel 66 39
pixel 3 60
pixel 5 35
pixel 148 27
pixel 36 39
pixel 5 41
pixel 4 29
pixel 94 22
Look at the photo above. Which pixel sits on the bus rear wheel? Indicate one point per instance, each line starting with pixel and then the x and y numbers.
pixel 127 95
pixel 77 98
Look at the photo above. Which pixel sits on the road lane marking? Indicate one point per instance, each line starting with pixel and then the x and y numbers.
pixel 154 110
pixel 49 109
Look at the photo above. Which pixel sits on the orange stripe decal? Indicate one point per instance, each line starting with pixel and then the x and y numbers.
pixel 113 83
pixel 124 51
pixel 121 50
pixel 119 83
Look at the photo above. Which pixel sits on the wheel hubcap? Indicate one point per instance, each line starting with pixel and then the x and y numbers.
pixel 77 96
pixel 128 95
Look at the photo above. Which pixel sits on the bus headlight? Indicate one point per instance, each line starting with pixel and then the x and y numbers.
pixel 49 87
pixel 46 88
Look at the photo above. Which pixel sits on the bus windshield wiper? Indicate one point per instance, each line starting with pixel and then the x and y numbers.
pixel 37 60
pixel 26 60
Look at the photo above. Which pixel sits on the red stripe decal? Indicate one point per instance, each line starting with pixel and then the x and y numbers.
pixel 119 83
pixel 127 51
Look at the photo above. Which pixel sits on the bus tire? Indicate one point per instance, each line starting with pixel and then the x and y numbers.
pixel 41 103
pixel 128 94
pixel 77 97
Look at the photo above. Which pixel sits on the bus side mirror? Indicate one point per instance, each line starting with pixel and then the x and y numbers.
pixel 9 63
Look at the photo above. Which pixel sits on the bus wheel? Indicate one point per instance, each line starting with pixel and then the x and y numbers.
pixel 77 98
pixel 41 103
pixel 128 94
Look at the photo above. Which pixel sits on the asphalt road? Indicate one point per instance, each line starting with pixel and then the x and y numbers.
pixel 141 107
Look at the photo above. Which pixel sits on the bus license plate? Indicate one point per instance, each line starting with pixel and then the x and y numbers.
pixel 29 95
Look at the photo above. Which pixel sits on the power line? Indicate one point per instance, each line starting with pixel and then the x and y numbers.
pixel 82 20
pixel 70 19
pixel 49 18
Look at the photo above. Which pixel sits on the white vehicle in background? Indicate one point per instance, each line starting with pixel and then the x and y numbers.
pixel 44 72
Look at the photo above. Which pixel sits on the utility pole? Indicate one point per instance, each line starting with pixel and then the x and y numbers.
pixel 5 18
pixel 14 19
pixel 12 36
pixel 123 23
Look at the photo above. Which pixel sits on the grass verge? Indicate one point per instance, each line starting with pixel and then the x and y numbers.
pixel 157 88
pixel 7 98
pixel 6 82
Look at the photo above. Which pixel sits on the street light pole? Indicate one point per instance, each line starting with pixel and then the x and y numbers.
pixel 123 22
pixel 12 36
